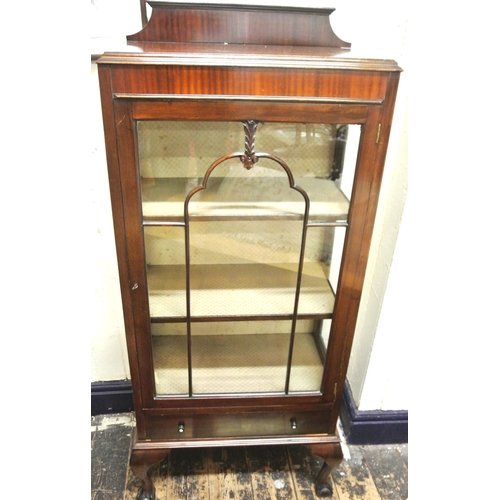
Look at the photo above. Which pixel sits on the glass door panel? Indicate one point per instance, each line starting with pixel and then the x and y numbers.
pixel 240 357
pixel 243 257
pixel 242 262
pixel 170 359
pixel 174 157
pixel 322 158
pixel 166 272
pixel 308 358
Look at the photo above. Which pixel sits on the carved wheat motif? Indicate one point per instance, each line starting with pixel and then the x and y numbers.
pixel 249 158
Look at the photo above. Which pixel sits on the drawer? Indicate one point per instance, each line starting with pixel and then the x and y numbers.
pixel 184 426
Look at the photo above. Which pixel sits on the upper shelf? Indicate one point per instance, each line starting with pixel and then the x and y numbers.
pixel 163 200
pixel 238 24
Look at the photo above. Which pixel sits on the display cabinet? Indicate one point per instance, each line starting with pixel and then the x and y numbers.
pixel 245 149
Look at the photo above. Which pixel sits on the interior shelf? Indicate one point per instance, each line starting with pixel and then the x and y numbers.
pixel 238 291
pixel 236 364
pixel 164 198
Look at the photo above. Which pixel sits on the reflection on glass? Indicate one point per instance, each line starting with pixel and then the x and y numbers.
pixel 245 240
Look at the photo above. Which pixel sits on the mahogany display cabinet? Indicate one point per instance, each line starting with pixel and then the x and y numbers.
pixel 245 148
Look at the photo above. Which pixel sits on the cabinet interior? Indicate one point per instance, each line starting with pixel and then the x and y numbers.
pixel 225 263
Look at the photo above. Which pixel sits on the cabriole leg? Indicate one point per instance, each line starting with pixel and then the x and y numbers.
pixel 332 454
pixel 140 463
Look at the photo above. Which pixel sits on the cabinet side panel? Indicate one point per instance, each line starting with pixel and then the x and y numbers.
pixel 362 219
pixel 105 81
pixel 137 284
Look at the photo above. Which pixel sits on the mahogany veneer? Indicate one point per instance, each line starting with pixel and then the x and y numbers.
pixel 199 63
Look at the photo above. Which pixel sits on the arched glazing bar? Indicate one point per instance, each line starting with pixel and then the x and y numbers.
pixel 248 157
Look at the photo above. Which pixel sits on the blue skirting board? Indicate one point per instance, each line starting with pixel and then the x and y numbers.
pixel 374 426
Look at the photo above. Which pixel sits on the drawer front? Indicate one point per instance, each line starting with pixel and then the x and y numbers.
pixel 184 426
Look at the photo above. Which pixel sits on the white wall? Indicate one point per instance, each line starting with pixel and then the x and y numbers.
pixel 378 363
pixel 377 371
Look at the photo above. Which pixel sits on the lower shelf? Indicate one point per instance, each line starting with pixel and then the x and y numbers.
pixel 223 364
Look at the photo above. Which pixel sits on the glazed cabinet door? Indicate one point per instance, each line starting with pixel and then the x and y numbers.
pixel 236 231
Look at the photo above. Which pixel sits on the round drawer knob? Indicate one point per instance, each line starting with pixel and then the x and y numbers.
pixel 293 423
pixel 181 427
